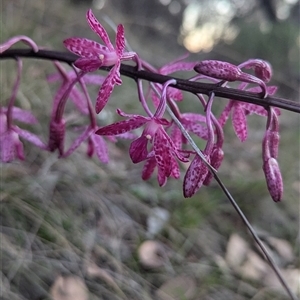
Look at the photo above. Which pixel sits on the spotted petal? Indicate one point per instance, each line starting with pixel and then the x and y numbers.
pixel 100 147
pixel 138 149
pixel 99 29
pixel 107 87
pixel 85 47
pixel 122 126
pixel 162 157
pixel 239 122
pixel 120 40
pixel 148 168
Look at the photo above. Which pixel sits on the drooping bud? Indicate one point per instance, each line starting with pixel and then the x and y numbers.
pixel 273 178
pixel 218 69
pixel 195 176
pixel 56 136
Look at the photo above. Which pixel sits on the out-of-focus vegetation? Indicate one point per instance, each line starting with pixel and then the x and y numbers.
pixel 78 225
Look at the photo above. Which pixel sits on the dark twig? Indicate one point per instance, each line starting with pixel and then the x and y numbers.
pixel 181 84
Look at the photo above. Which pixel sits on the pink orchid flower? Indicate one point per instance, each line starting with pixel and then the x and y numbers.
pixel 163 151
pixel 10 144
pixel 239 110
pixel 94 55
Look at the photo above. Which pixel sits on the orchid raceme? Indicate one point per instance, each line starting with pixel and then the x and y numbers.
pixel 163 142
pixel 94 55
pixel 164 130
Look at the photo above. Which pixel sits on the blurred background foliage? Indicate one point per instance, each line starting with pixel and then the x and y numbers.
pixel 78 217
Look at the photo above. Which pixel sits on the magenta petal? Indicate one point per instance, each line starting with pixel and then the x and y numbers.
pixel 87 64
pixel 93 79
pixel 106 88
pixel 100 147
pixel 194 177
pixel 98 29
pixel 123 114
pixel 79 100
pixel 30 137
pixel 175 171
pixel 120 40
pixel 138 150
pixel 192 117
pixel 23 115
pixel 176 136
pixel 148 168
pixel 85 47
pixel 251 108
pixel 239 122
pixel 178 66
pixel 273 179
pixel 10 146
pixel 175 94
pixel 225 113
pixel 163 157
pixel 78 141
pixel 271 89
pixel 198 129
pixel 122 126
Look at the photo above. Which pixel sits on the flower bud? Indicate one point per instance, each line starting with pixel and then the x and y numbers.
pixel 195 176
pixel 56 136
pixel 218 69
pixel 273 178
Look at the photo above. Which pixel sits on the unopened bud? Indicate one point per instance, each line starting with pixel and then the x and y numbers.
pixel 218 69
pixel 273 178
pixel 195 176
pixel 56 136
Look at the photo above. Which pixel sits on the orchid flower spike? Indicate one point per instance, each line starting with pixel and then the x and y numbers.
pixel 94 55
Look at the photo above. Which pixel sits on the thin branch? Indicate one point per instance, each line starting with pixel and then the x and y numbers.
pixel 181 84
